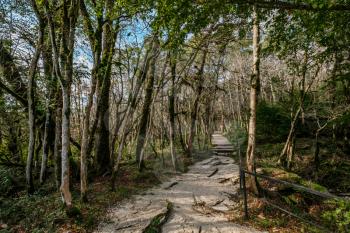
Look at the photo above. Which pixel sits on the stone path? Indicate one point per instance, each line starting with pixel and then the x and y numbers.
pixel 201 201
pixel 221 146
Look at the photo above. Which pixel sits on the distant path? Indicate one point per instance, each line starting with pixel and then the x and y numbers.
pixel 202 201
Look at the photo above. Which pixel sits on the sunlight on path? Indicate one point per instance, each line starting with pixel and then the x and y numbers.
pixel 202 200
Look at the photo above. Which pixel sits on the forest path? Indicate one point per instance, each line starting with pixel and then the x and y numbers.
pixel 202 200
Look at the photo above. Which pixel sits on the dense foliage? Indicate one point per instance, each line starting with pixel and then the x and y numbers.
pixel 89 87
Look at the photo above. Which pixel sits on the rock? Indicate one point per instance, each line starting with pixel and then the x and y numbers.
pixel 199 203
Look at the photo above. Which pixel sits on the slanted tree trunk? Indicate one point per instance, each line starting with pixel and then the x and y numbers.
pixel 11 74
pixel 195 107
pixel 287 155
pixel 132 103
pixel 142 133
pixel 254 88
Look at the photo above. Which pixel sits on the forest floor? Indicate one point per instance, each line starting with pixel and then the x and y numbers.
pixel 202 200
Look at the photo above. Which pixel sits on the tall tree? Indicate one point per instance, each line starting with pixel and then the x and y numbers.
pixel 254 88
pixel 171 109
pixel 142 133
pixel 63 66
pixel 196 103
pixel 30 95
pixel 102 43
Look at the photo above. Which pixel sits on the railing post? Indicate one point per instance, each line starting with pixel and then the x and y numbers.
pixel 240 164
pixel 244 195
pixel 240 180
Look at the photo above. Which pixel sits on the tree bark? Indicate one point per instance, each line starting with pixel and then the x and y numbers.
pixel 171 99
pixel 63 66
pixel 141 137
pixel 45 143
pixel 66 195
pixel 58 139
pixel 287 155
pixel 254 88
pixel 195 107
pixel 102 147
pixel 31 110
pixel 51 93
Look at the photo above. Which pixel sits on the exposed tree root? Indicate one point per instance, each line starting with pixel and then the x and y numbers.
pixel 214 172
pixel 203 208
pixel 159 220
pixel 218 202
pixel 171 185
pixel 219 163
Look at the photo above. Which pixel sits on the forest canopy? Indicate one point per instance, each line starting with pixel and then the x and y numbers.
pixel 95 90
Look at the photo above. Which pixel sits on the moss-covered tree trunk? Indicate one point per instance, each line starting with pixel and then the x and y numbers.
pixel 145 113
pixel 102 137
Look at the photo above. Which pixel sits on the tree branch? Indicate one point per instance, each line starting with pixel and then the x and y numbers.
pixel 289 5
pixel 14 94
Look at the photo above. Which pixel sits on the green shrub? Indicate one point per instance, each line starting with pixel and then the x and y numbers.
pixel 5 181
pixel 339 216
pixel 272 123
pixel 236 132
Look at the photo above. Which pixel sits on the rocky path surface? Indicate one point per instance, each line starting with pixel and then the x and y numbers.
pixel 200 200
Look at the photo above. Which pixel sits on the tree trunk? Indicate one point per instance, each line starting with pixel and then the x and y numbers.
pixel 58 139
pixel 102 133
pixel 85 147
pixel 45 142
pixel 63 66
pixel 333 91
pixel 51 92
pixel 66 195
pixel 31 146
pixel 255 80
pixel 31 110
pixel 317 151
pixel 147 105
pixel 132 103
pixel 102 139
pixel 288 146
pixel 195 108
pixel 172 112
pixel 287 155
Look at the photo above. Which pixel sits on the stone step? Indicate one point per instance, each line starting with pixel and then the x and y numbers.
pixel 223 147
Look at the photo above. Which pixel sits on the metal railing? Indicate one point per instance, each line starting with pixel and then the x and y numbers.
pixel 297 187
